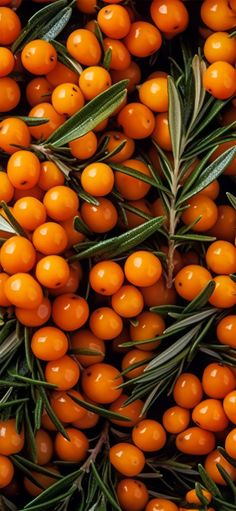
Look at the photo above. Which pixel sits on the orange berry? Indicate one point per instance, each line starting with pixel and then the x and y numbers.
pixel 120 56
pixel 61 203
pixel 132 188
pixel 230 443
pixel 38 90
pixel 70 311
pixel 65 408
pixel 218 380
pixel 72 284
pixel 49 343
pixel 154 94
pixel 35 192
pixel 67 99
pixel 226 331
pixel 211 462
pixel 149 435
pixel 229 406
pixel 132 495
pixel 44 480
pixel 87 6
pixel 209 414
pixel 161 505
pixel 85 340
pixel 46 111
pixel 89 420
pixel 176 419
pixel 200 206
pixel 84 147
pixel 218 15
pixel 220 80
pixel 192 498
pixel 101 218
pixel 191 280
pixel 29 212
pixel 10 26
pixel 159 294
pixel 23 290
pixel 114 21
pixel 75 449
pixel 6 471
pixel 44 447
pixel 149 325
pixel 187 390
pixel 170 16
pixel 6 188
pixel 127 459
pixel 23 170
pixel 137 120
pixel 225 226
pixel 17 255
pixel 133 411
pixel 195 441
pixel 73 237
pixel 34 317
pixel 136 356
pixel 132 73
pixel 84 47
pixel 161 132
pixel 133 219
pixel 97 179
pixel 39 57
pixel 4 302
pixel 93 81
pixel 224 294
pixel 11 442
pixel 231 167
pixel 7 61
pixel 50 238
pixel 10 93
pixel 115 139
pixel 142 268
pixel 13 132
pixel 106 277
pixel 63 372
pixel 221 257
pixel 127 301
pixel 52 271
pixel 105 323
pixel 143 39
pixel 61 74
pixel 100 383
pixel 219 46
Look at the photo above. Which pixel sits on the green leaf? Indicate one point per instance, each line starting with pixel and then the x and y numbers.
pixel 28 352
pixel 30 121
pixel 105 489
pixel 38 410
pixel 201 299
pixel 193 176
pixel 15 225
pixel 138 175
pixel 6 226
pixel 86 119
pixel 175 118
pixel 108 414
pixel 65 58
pixel 198 68
pixel 59 23
pixel 31 445
pixel 190 320
pixel 232 199
pixel 80 226
pixel 192 237
pixel 107 59
pixel 208 482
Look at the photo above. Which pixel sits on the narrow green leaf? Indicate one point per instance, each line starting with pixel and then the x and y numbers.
pixel 107 59
pixel 38 410
pixel 201 299
pixel 133 173
pixel 105 489
pixel 175 118
pixel 66 59
pixel 13 402
pixel 31 445
pixel 28 352
pixel 56 489
pixel 30 121
pixel 80 226
pixel 192 237
pixel 232 199
pixel 208 482
pixel 86 119
pixel 60 22
pixel 193 176
pixel 190 320
pixel 6 226
pixel 16 226
pixel 98 410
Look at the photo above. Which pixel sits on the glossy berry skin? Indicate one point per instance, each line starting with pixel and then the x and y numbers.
pixel 6 188
pixel 10 94
pixel 100 383
pixel 67 99
pixel 50 176
pixel 34 317
pixel 22 290
pixel 11 442
pixel 49 343
pixel 229 404
pixel 218 380
pixel 84 147
pixel 50 238
pixel 127 459
pixel 4 302
pixel 217 15
pixel 221 257
pixel 121 58
pixel 149 435
pixel 133 357
pixel 97 179
pixel 187 390
pixel 101 218
pixel 106 277
pixel 224 294
pixel 61 203
pixel 161 505
pixel 52 271
pixel 23 170
pixel 219 46
pixel 226 331
pixel 13 132
pixel 105 323
pixel 17 255
pixel 133 188
pixel 200 205
pixel 209 414
pixel 149 325
pixel 75 449
pixel 191 280
pixel 142 268
pixel 137 120
pixel 93 81
pixel 70 311
pixel 114 21
pixel 211 462
pixel 192 498
pixel 38 90
pixel 86 340
pixel 132 494
pixel 44 447
pixel 170 16
pixel 10 26
pixel 61 74
pixel 84 47
pixel 219 80
pixel 44 480
pixel 161 132
pixel 65 408
pixel 176 419
pixel 39 57
pixel 6 471
pixel 195 441
pixel 128 301
pixel 154 94
pixel 133 411
pixel 159 294
pixel 63 372
pixel 29 212
pixel 131 73
pixel 115 139
pixel 143 39
pixel 46 111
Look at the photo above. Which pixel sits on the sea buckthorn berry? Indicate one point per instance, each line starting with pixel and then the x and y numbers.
pixel 224 294
pixel 89 420
pixel 13 132
pixel 67 99
pixel 209 414
pixel 6 471
pixel 219 46
pixel 11 442
pixel 44 447
pixel 133 411
pixel 39 57
pixel 115 139
pixel 46 111
pixel 29 212
pixel 70 311
pixel 161 505
pixel 84 47
pixel 154 94
pixel 142 268
pixel 161 132
pixel 132 494
pixel 65 408
pixel 120 56
pixel 61 203
pixel 143 39
pixel 191 280
pixel 100 383
pixel 132 73
pixel 226 331
pixel 10 94
pixel 177 258
pixel 61 74
pixel 133 188
pixel 23 291
pixel 230 406
pixel 218 15
pixel 187 390
pixel 211 461
pixel 176 419
pixel 149 435
pixel 49 343
pixel 101 218
pixel 127 459
pixel 63 372
pixel 4 302
pixel 169 16
pixel 220 80
pixel 7 61
pixel 221 257
pixel 133 357
pixel 72 283
pixel 84 147
pixel 128 301
pixel 106 277
pixel 34 317
pixel 212 190
pixel 35 192
pixel 149 325
pixel 218 380
pixel 43 480
pixel 195 441
pixel 83 341
pixel 74 449
pixel 225 226
pixel 87 6
pixel 159 294
pixel 73 237
pixel 23 170
pixel 50 238
pixel 203 207
pixel 137 120
pixel 192 498
pixel 105 323
pixel 114 21
pixel 230 443
pixel 38 90
pixel 52 271
pixel 135 219
pixel 97 179
pixel 6 188
pixel 94 80
pixel 10 26
pixel 17 255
